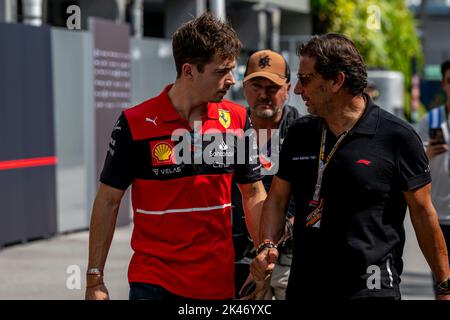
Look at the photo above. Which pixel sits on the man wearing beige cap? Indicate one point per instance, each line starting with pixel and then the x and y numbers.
pixel 266 89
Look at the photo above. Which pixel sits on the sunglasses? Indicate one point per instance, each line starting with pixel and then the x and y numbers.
pixel 305 78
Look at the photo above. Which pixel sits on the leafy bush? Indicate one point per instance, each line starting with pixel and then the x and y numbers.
pixel 386 41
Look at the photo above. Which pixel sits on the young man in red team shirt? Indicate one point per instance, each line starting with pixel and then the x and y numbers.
pixel 182 230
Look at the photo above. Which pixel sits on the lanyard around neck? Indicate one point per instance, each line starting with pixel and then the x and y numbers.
pixel 323 163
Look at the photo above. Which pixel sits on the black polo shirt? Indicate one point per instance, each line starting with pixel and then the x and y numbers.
pixel 361 227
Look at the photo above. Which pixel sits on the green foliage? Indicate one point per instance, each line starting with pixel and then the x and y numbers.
pixel 393 46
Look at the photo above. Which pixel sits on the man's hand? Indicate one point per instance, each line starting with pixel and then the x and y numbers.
pixel 434 150
pixel 97 292
pixel 263 265
pixel 95 287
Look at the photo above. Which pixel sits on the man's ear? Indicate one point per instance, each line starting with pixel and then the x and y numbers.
pixel 187 71
pixel 288 89
pixel 338 82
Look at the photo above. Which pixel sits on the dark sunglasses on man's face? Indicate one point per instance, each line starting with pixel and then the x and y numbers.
pixel 305 78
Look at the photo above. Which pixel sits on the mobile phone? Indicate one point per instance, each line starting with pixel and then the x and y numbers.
pixel 437 135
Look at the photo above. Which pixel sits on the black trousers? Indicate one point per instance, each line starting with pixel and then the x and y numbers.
pixel 146 291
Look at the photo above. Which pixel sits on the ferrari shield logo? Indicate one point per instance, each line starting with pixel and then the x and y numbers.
pixel 224 118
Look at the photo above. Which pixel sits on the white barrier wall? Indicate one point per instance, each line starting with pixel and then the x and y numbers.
pixel 152 68
pixel 74 127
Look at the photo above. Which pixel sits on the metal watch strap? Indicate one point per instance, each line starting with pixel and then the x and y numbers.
pixel 94 272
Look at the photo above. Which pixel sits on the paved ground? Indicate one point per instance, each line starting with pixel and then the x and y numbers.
pixel 38 270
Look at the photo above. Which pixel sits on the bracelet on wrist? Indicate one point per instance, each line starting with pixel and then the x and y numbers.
pixel 443 287
pixel 266 244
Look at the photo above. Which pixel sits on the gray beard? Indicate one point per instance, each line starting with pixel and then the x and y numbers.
pixel 266 114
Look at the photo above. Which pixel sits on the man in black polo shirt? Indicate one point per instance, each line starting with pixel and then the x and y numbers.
pixel 352 168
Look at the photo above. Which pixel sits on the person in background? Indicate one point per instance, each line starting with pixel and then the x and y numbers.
pixel 435 133
pixel 266 89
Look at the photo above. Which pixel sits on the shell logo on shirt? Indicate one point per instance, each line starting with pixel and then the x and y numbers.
pixel 162 153
pixel 224 118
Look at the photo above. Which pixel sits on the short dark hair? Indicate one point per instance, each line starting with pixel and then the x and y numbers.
pixel 199 40
pixel 444 67
pixel 336 53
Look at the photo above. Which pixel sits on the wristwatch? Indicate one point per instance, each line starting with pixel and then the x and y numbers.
pixel 443 287
pixel 94 272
